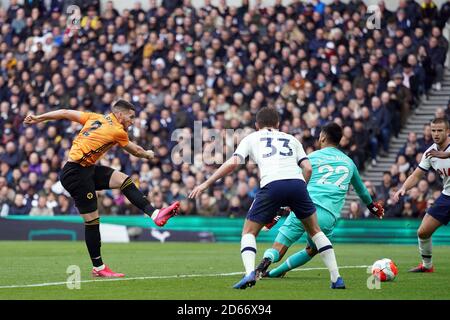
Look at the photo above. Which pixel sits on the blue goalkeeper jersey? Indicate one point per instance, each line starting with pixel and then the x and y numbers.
pixel 332 173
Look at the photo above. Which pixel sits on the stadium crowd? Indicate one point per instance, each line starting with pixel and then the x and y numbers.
pixel 217 65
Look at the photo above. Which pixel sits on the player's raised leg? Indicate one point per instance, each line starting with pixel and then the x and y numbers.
pixel 137 198
pixel 428 226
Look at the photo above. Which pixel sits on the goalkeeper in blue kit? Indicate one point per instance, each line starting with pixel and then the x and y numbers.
pixel 332 174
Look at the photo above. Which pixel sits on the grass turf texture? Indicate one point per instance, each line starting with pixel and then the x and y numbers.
pixel 26 263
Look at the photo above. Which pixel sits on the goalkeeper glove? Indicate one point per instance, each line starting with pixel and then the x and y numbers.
pixel 376 209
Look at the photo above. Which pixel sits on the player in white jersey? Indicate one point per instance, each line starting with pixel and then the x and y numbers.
pixel 281 160
pixel 438 158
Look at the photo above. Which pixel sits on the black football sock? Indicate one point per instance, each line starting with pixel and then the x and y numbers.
pixel 136 197
pixel 93 241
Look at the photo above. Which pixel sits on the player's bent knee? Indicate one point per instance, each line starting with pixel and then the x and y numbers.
pixel 92 222
pixel 423 234
pixel 311 251
pixel 250 231
pixel 119 179
pixel 91 218
pixel 313 230
pixel 279 247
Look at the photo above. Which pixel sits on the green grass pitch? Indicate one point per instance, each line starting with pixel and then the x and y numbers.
pixel 183 271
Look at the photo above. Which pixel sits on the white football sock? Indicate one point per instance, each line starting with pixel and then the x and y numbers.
pixel 99 268
pixel 326 252
pixel 425 252
pixel 155 214
pixel 248 252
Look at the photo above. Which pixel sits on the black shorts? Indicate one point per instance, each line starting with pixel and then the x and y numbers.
pixel 82 182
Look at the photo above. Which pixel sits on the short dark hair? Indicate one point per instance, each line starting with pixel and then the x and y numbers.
pixel 441 120
pixel 333 132
pixel 267 117
pixel 121 105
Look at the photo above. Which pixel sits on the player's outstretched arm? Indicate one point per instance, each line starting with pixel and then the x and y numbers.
pixel 375 208
pixel 229 166
pixel 412 180
pixel 138 151
pixel 437 154
pixel 61 114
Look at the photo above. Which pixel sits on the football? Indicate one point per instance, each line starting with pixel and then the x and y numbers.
pixel 384 270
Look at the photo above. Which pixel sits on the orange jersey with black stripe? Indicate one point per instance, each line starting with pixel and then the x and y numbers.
pixel 99 134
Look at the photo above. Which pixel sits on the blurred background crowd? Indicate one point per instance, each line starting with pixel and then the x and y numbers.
pixel 217 65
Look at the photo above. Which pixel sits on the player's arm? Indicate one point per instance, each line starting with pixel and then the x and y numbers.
pixel 229 166
pixel 437 154
pixel 61 114
pixel 305 164
pixel 416 176
pixel 138 151
pixel 239 156
pixel 362 192
pixel 412 180
pixel 303 160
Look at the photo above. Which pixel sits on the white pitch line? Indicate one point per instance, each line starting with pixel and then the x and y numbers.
pixel 48 284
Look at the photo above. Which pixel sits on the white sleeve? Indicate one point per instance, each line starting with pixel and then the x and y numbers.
pixel 301 154
pixel 243 149
pixel 425 163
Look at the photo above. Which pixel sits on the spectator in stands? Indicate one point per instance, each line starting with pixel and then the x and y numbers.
pixel 41 208
pixel 11 155
pixel 403 95
pixel 437 55
pixel 393 105
pixel 382 122
pixel 429 13
pixel 434 183
pixel 444 14
pixel 217 65
pixel 355 210
pixel 207 206
pixel 426 140
pixel 384 189
pixel 64 206
pixel 393 210
pixel 20 205
pixel 361 140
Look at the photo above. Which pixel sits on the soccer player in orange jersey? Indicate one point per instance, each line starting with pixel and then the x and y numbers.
pixel 81 177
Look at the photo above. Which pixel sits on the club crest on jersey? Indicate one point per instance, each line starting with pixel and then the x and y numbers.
pixel 444 172
pixel 90 195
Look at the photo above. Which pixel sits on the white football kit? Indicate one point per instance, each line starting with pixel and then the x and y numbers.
pixel 276 153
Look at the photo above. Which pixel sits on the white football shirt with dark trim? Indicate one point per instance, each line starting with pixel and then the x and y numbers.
pixel 441 166
pixel 276 153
